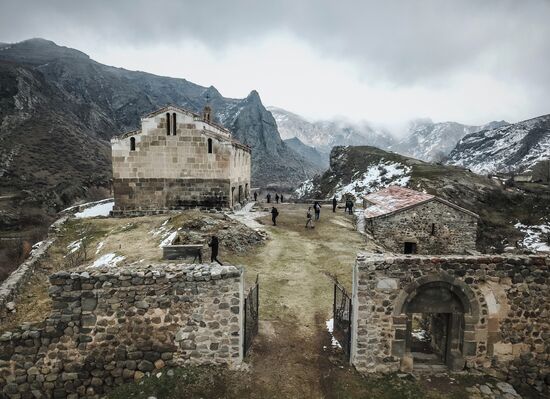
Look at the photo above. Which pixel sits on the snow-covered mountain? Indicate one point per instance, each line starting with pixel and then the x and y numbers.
pixel 515 147
pixel 431 141
pixel 323 135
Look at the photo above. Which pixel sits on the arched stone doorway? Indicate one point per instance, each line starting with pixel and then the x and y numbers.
pixel 450 311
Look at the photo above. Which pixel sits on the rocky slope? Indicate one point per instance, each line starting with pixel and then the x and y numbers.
pixel 431 141
pixel 323 135
pixel 360 170
pixel 511 148
pixel 317 158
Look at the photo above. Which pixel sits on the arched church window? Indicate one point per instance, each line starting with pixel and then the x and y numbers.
pixel 210 146
pixel 132 144
pixel 168 124
pixel 174 123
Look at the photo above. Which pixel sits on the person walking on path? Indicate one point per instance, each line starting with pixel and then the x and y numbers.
pixel 268 197
pixel 317 209
pixel 274 214
pixel 282 198
pixel 334 203
pixel 214 244
pixel 255 196
pixel 350 207
pixel 277 198
pixel 309 222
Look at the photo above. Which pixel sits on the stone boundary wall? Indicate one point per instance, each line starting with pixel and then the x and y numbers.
pixel 507 322
pixel 111 326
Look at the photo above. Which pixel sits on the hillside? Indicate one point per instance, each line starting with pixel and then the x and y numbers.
pixel 511 148
pixel 431 141
pixel 359 170
pixel 317 158
pixel 58 110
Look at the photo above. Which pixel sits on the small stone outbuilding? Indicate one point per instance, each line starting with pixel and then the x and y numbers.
pixel 177 160
pixel 409 221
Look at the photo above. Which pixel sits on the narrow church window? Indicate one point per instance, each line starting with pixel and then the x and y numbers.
pixel 133 144
pixel 174 123
pixel 168 124
pixel 210 146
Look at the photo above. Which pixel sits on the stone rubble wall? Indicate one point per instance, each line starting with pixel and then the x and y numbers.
pixel 508 325
pixel 455 231
pixel 111 326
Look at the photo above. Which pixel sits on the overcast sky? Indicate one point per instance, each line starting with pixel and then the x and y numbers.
pixel 381 61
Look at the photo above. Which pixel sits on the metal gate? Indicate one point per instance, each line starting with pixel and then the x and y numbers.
pixel 342 318
pixel 251 304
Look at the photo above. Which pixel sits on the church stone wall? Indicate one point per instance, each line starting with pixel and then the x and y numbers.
pixel 111 326
pixel 507 325
pixel 454 232
pixel 167 171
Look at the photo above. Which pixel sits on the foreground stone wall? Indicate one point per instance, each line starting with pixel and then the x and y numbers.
pixel 112 326
pixel 454 232
pixel 506 302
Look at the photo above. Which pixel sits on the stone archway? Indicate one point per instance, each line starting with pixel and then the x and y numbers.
pixel 452 304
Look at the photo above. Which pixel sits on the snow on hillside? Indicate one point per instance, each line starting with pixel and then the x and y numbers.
pixel 376 177
pixel 514 147
pixel 431 141
pixel 537 237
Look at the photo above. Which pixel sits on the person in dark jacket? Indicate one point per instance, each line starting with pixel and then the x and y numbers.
pixel 317 209
pixel 282 198
pixel 214 244
pixel 274 214
pixel 350 207
pixel 255 196
pixel 334 203
pixel 277 198
pixel 268 197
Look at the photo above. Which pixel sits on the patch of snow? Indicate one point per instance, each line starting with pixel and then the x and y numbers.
pixel 304 188
pixel 330 329
pixel 168 238
pixel 36 246
pixel 536 237
pixel 163 228
pixel 376 177
pixel 96 210
pixel 420 335
pixel 74 246
pixel 99 246
pixel 109 260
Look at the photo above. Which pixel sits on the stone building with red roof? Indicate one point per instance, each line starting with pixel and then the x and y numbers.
pixel 409 221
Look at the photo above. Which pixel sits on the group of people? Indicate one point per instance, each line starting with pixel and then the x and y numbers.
pixel 268 198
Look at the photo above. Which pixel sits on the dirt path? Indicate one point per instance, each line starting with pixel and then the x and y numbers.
pixel 292 354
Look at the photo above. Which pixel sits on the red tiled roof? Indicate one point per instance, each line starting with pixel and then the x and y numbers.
pixel 393 199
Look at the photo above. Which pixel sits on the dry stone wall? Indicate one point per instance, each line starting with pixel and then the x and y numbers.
pixel 434 227
pixel 506 302
pixel 111 326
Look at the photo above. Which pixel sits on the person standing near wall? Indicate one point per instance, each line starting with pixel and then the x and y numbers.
pixel 274 214
pixel 255 196
pixel 334 203
pixel 214 244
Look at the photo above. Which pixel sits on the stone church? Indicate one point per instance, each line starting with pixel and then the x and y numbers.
pixel 177 160
pixel 412 222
